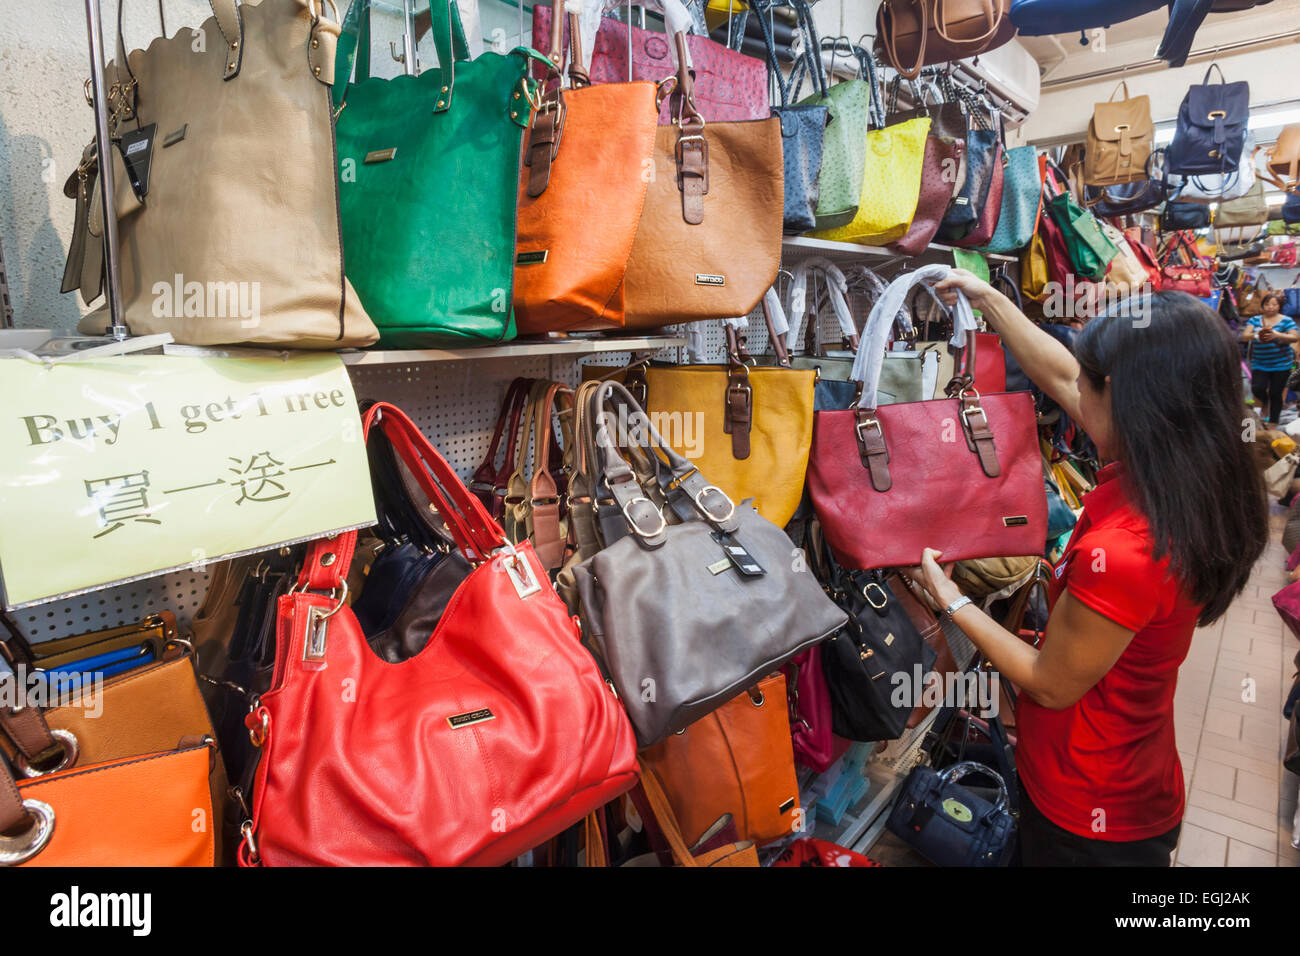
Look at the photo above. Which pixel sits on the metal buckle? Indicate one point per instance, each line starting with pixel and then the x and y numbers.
pixel 636 529
pixel 19 849
pixel 258 735
pixel 704 154
pixel 866 593
pixel 521 574
pixel 313 648
pixel 868 422
pixel 965 415
pixel 731 505
pixel 69 748
pixel 1217 114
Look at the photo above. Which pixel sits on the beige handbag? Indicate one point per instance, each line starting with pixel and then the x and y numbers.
pixel 234 236
pixel 1277 476
pixel 1125 274
pixel 1119 140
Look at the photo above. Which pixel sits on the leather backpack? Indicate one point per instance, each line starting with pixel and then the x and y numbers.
pixel 1211 129
pixel 1119 140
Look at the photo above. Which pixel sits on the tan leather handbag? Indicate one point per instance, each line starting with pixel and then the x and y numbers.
pixel 737 760
pixel 709 243
pixel 234 236
pixel 1282 159
pixel 1119 140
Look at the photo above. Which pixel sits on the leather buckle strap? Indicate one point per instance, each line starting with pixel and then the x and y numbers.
pixel 692 155
pixel 872 449
pixel 638 510
pixel 738 411
pixel 979 437
pixel 544 141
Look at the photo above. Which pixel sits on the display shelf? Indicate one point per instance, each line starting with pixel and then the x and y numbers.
pixel 517 349
pixel 803 246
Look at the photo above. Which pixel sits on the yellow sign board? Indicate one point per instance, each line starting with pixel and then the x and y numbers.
pixel 124 467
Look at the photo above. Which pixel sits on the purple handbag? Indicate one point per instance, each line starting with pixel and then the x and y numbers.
pixel 728 85
pixel 1287 601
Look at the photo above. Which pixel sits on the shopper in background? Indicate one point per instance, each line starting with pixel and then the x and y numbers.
pixel 1166 541
pixel 1271 336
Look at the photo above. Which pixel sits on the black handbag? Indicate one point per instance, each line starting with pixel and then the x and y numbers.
pixel 949 824
pixel 1178 216
pixel 1211 128
pixel 861 661
pixel 983 151
pixel 1107 202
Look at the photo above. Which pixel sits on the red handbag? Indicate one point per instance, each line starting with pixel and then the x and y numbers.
pixel 968 469
pixel 499 734
pixel 1188 276
pixel 992 211
pixel 938 186
pixel 815 746
pixel 990 363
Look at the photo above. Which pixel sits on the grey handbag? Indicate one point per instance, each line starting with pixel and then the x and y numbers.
pixel 685 616
pixel 803 129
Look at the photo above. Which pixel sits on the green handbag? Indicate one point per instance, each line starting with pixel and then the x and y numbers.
pixel 428 181
pixel 1090 251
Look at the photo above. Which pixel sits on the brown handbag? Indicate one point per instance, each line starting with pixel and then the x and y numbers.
pixel 942 176
pixel 911 34
pixel 737 760
pixel 709 243
pixel 1282 160
pixel 1119 140
pixel 581 194
pixel 738 854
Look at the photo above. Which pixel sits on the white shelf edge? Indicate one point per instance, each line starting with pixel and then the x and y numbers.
pixel 574 346
pixel 811 245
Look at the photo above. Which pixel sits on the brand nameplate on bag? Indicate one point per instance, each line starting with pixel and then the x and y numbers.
pixel 531 258
pixel 717 567
pixel 705 278
pixel 472 717
pixel 380 155
pixel 787 806
pixel 1015 521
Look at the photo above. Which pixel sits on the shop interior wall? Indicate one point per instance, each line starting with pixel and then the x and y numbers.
pixel 1063 113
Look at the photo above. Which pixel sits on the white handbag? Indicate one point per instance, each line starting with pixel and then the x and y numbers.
pixel 1279 475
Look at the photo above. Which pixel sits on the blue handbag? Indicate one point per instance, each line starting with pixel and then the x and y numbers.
pixel 1185 18
pixel 1210 133
pixel 1022 190
pixel 1291 305
pixel 1291 208
pixel 803 130
pixel 1036 18
pixel 950 825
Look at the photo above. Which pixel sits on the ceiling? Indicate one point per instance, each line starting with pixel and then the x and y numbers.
pixel 1137 39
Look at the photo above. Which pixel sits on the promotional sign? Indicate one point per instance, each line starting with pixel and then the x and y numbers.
pixel 118 468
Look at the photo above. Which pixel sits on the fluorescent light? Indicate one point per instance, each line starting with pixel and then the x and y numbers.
pixel 1279 118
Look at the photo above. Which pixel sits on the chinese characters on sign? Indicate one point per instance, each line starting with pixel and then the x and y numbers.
pixel 138 464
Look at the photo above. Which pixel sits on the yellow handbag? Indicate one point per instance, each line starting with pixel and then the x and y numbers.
pixel 891 185
pixel 748 429
pixel 1033 268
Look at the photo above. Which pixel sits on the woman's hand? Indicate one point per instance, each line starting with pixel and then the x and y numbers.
pixel 977 291
pixel 931 577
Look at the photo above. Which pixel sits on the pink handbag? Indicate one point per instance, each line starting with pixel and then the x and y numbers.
pixel 1287 603
pixel 728 85
pixel 815 747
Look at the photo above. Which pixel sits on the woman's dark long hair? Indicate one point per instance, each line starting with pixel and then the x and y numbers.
pixel 1182 431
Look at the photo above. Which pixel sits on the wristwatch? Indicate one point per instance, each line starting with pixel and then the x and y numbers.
pixel 956 606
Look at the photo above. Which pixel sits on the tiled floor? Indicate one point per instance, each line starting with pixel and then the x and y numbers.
pixel 1241 804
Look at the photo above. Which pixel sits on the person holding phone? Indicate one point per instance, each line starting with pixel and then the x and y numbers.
pixel 1166 540
pixel 1271 335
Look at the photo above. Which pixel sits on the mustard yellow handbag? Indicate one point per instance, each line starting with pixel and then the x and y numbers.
pixel 1033 268
pixel 891 185
pixel 749 429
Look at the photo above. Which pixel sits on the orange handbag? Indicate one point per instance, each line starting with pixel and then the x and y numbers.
pixel 738 760
pixel 587 165
pixel 137 811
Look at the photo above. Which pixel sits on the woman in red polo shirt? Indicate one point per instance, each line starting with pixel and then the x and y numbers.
pixel 1166 541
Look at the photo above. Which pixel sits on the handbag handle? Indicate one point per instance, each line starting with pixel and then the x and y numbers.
pixel 992 17
pixel 872 447
pixel 230 24
pixel 886 14
pixel 812 48
pixel 621 480
pixel 969 768
pixel 487 480
pixel 473 530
